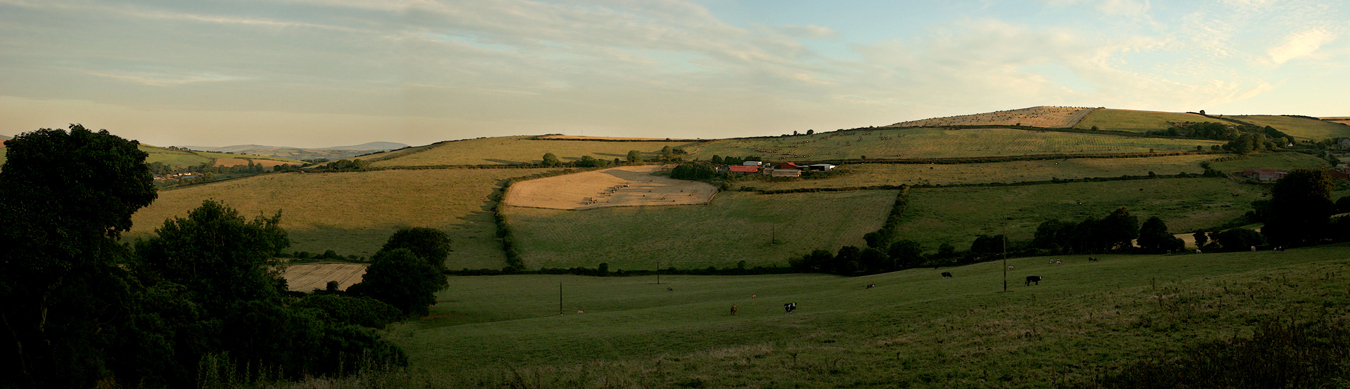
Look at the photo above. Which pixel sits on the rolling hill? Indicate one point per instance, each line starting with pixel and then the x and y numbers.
pixel 297 153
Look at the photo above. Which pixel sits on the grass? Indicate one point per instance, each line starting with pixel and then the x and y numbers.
pixel 1301 128
pixel 1270 161
pixel 911 143
pixel 862 175
pixel 915 329
pixel 958 215
pixel 354 213
pixel 734 227
pixel 1138 121
pixel 512 150
pixel 185 158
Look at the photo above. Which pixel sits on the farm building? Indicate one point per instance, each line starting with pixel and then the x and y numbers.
pixel 821 167
pixel 1264 174
pixel 788 165
pixel 785 172
pixel 752 163
pixel 742 169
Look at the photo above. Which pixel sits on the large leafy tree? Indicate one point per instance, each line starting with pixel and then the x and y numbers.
pixel 401 279
pixel 65 197
pixel 1300 208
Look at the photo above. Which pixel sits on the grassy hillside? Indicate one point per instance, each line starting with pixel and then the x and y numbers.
pixel 1301 128
pixel 354 213
pixel 891 143
pixel 862 175
pixel 1138 121
pixel 915 329
pixel 515 150
pixel 734 227
pixel 1270 161
pixel 185 158
pixel 957 215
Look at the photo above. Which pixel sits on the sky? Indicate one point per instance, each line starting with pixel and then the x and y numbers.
pixel 321 73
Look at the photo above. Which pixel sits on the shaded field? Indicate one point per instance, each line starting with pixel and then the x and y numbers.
pixel 1043 116
pixel 1138 121
pixel 354 213
pixel 174 158
pixel 267 163
pixel 863 175
pixel 958 215
pixel 517 150
pixel 305 277
pixel 734 227
pixel 581 137
pixel 1301 128
pixel 909 143
pixel 1270 161
pixel 627 186
pixel 915 329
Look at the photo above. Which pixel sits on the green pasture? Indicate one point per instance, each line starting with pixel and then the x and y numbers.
pixel 1138 121
pixel 914 329
pixel 911 143
pixel 354 213
pixel 957 215
pixel 174 158
pixel 1301 128
pixel 1286 160
pixel 734 227
pixel 863 175
pixel 512 150
pixel 3 151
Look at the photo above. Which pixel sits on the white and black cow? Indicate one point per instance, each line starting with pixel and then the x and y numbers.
pixel 946 274
pixel 789 307
pixel 1031 279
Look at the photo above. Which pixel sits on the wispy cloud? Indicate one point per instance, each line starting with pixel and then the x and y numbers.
pixel 1300 44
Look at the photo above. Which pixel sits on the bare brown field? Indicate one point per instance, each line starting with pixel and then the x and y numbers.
pixel 1047 117
pixel 354 213
pixel 627 186
pixel 306 277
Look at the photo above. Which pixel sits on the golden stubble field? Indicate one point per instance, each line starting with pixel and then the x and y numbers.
pixel 1043 116
pixel 306 277
pixel 628 186
pixel 355 213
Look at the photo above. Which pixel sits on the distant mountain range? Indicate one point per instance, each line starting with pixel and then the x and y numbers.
pixel 329 153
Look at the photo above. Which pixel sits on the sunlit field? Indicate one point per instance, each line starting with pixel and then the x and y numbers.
pixel 1300 128
pixel 734 227
pixel 911 143
pixel 516 150
pixel 1138 121
pixel 354 213
pixel 1286 160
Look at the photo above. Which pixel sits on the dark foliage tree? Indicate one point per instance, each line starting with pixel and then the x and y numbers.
pixel 986 245
pixel 873 260
pixel 65 197
pixel 551 160
pixel 692 171
pixel 634 156
pixel 1239 239
pixel 847 261
pixel 430 244
pixel 818 260
pixel 401 279
pixel 1153 235
pixel 589 161
pixel 1300 208
pixel 361 311
pixel 1343 204
pixel 1053 236
pixel 1201 238
pixel 906 253
pixel 1119 229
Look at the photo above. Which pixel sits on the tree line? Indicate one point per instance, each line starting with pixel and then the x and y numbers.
pixel 83 309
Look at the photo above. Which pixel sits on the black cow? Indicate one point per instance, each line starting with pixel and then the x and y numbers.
pixel 789 307
pixel 946 274
pixel 1092 259
pixel 1031 279
pixel 870 286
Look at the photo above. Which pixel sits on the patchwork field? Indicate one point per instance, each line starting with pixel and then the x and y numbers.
pixel 306 277
pixel 627 186
pixel 916 329
pixel 1048 117
pixel 958 215
pixel 1300 128
pixel 863 175
pixel 1270 161
pixel 266 163
pixel 1138 121
pixel 516 150
pixel 354 213
pixel 184 158
pixel 734 227
pixel 909 143
pixel 1342 120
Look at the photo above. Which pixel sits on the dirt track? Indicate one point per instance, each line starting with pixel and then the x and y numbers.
pixel 627 186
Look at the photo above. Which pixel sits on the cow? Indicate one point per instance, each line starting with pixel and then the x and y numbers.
pixel 1010 267
pixel 789 307
pixel 670 289
pixel 946 274
pixel 1092 259
pixel 870 286
pixel 1031 279
pixel 733 310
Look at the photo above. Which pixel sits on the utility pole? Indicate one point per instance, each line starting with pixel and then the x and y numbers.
pixel 1005 253
pixel 560 311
